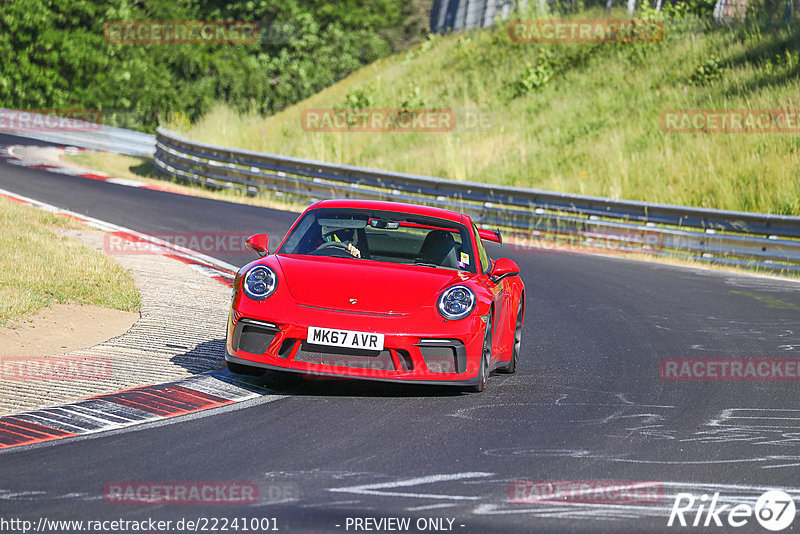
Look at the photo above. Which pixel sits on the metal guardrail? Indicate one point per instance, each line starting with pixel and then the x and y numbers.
pixel 532 216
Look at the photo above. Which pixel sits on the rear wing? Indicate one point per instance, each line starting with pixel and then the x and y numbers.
pixel 490 235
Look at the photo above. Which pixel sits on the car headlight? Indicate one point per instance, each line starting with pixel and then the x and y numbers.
pixel 259 282
pixel 456 302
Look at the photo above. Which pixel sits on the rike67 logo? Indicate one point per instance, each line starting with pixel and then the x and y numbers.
pixel 774 511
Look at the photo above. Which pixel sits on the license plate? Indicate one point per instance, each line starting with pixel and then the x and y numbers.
pixel 345 338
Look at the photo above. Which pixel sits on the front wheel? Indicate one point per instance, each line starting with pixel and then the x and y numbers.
pixel 511 368
pixel 486 353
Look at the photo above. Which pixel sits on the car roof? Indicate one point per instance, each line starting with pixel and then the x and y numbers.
pixel 413 209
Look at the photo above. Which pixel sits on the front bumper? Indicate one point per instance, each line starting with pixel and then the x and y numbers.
pixel 470 382
pixel 421 347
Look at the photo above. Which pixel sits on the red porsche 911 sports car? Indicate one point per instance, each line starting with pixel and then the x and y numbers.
pixel 378 291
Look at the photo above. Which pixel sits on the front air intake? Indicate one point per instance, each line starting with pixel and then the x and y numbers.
pixel 253 337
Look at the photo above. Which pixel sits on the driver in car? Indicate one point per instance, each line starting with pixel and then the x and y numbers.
pixel 342 235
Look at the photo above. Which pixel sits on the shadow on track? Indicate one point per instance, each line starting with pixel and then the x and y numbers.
pixel 207 356
pixel 210 356
pixel 309 385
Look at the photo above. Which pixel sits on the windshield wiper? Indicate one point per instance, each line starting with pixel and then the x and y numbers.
pixel 426 264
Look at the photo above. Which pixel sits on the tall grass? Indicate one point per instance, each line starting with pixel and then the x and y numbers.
pixel 592 127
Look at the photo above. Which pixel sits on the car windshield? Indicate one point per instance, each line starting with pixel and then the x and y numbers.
pixel 382 236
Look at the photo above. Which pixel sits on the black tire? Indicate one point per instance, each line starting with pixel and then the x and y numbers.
pixel 511 368
pixel 486 353
pixel 249 370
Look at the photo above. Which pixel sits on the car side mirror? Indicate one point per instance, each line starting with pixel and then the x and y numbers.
pixel 259 244
pixel 503 268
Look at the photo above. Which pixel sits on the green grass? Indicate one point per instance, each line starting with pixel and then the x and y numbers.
pixel 592 128
pixel 38 268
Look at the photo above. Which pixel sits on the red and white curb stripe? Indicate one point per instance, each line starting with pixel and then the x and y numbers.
pixel 8 154
pixel 128 408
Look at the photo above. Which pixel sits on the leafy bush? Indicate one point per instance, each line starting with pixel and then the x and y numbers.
pixel 536 74
pixel 708 71
pixel 55 54
pixel 358 98
pixel 413 98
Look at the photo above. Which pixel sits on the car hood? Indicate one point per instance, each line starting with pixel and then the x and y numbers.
pixel 377 287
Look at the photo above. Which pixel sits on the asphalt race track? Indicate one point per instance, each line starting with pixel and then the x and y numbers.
pixel 587 404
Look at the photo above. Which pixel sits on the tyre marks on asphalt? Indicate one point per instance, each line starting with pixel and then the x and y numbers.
pixel 466 496
pixel 128 408
pixel 730 495
pixel 488 494
pixel 390 488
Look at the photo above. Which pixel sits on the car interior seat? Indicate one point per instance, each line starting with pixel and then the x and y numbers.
pixel 439 248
